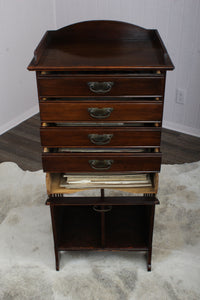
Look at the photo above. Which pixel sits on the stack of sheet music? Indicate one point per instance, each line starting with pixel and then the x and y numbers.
pixel 85 181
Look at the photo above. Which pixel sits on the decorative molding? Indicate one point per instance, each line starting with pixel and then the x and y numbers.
pixel 181 128
pixel 16 121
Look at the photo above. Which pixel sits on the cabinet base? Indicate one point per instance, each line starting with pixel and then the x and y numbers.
pixel 104 224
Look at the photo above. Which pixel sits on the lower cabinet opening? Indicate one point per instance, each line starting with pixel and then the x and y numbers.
pixel 108 228
pixel 126 227
pixel 77 227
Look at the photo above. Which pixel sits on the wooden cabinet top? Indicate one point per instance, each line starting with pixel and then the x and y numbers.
pixel 101 46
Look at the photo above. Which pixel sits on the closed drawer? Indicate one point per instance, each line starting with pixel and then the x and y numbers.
pixel 101 111
pixel 99 163
pixel 73 86
pixel 100 137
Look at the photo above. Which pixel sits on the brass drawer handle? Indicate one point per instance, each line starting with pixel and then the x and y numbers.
pixel 100 113
pixel 100 139
pixel 101 165
pixel 95 207
pixel 100 87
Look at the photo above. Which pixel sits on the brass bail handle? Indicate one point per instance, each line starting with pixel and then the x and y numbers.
pixel 109 207
pixel 100 87
pixel 100 113
pixel 100 165
pixel 100 139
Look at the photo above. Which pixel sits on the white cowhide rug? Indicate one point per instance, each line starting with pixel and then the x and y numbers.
pixel 27 266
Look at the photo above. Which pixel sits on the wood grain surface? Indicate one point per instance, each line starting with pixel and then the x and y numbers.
pixel 22 146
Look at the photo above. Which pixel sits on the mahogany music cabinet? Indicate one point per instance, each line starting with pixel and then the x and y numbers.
pixel 101 93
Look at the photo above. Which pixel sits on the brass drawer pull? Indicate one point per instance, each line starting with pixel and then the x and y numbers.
pixel 100 87
pixel 100 113
pixel 95 207
pixel 101 165
pixel 100 139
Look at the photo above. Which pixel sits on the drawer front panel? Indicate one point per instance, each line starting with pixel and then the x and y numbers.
pixel 90 163
pixel 100 86
pixel 100 137
pixel 99 111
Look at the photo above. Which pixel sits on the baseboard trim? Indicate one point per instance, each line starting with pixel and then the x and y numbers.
pixel 181 128
pixel 16 121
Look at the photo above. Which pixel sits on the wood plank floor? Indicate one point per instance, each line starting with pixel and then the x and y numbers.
pixel 22 146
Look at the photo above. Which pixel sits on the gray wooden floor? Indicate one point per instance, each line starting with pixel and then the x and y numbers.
pixel 22 146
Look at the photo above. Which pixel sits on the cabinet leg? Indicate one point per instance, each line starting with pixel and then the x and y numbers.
pixel 150 213
pixel 57 259
pixel 54 220
pixel 149 254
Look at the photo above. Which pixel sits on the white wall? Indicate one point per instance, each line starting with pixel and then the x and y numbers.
pixel 22 24
pixel 178 22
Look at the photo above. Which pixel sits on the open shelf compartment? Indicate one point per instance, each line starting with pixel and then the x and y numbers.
pixel 126 228
pixel 121 228
pixel 77 227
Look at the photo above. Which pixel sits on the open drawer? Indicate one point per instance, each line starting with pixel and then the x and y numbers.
pixel 55 180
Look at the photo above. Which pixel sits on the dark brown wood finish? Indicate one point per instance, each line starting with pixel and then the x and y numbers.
pixel 126 227
pixel 108 137
pixel 100 201
pixel 57 86
pixel 74 218
pixel 74 111
pixel 102 214
pixel 115 226
pixel 101 73
pixel 114 162
pixel 21 145
pixel 150 213
pixel 101 45
pixel 56 223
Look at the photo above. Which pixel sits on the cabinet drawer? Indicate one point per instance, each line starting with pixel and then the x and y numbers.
pixel 73 86
pixel 100 137
pixel 101 162
pixel 101 111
